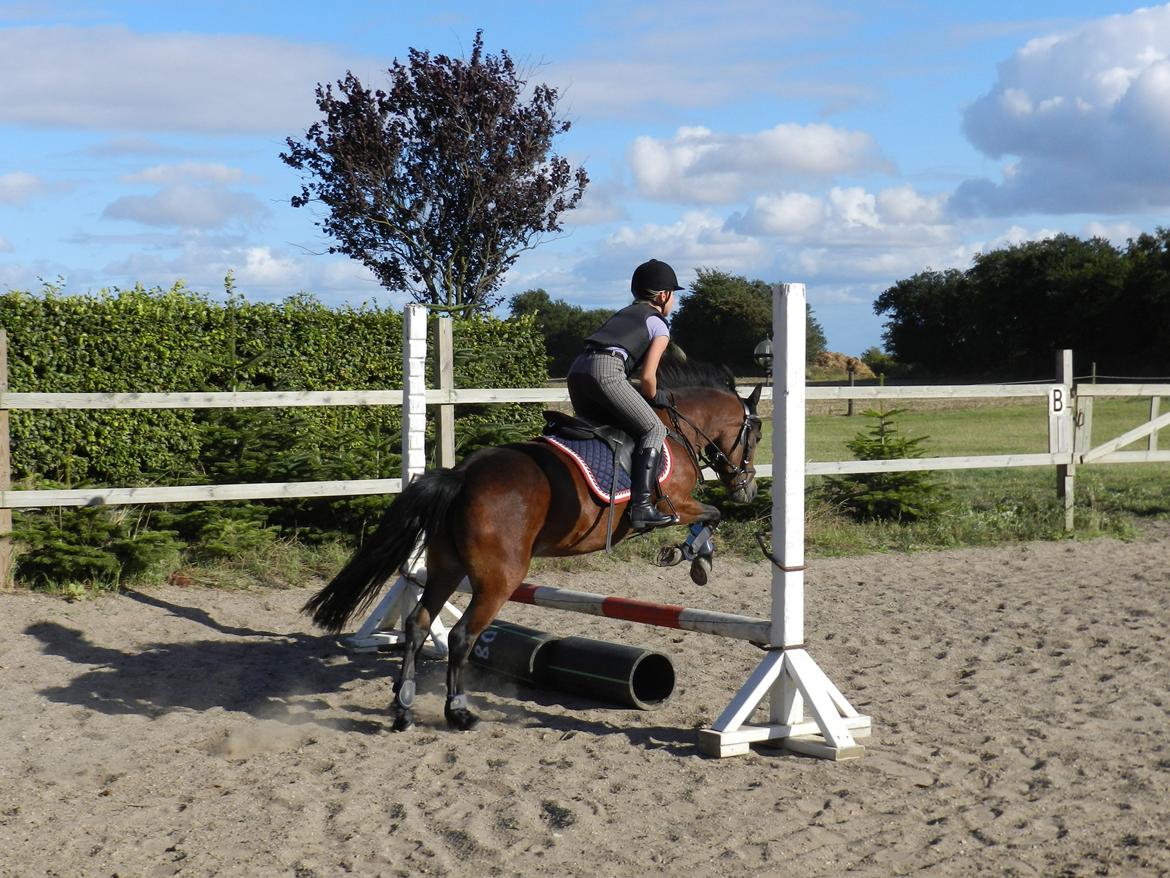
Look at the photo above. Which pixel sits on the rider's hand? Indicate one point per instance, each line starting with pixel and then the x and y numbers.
pixel 662 399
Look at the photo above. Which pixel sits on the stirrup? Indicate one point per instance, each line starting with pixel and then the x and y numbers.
pixel 659 519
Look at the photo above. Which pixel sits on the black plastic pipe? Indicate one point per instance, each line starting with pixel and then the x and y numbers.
pixel 514 651
pixel 610 672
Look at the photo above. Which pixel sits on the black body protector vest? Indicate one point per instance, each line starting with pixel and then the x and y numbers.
pixel 627 330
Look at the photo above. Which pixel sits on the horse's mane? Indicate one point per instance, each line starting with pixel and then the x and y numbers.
pixel 675 374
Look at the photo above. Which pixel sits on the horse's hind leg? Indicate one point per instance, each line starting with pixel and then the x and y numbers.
pixel 484 606
pixel 441 584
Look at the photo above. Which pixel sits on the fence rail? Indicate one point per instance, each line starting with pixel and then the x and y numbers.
pixel 1070 423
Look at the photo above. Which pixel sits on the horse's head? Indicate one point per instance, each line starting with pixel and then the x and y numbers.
pixel 724 427
pixel 732 450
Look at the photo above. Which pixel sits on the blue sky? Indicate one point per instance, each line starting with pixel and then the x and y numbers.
pixel 845 145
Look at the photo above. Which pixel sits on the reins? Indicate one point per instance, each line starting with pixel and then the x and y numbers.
pixel 699 458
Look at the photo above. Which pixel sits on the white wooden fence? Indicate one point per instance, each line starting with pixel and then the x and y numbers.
pixel 1069 408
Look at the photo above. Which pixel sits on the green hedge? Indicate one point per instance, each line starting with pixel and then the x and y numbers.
pixel 156 340
pixel 159 340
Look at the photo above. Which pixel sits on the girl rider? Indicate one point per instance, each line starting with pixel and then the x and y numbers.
pixel 633 340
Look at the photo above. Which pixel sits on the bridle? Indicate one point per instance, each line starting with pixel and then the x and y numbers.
pixel 736 477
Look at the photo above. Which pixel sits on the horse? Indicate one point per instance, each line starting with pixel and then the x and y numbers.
pixel 486 518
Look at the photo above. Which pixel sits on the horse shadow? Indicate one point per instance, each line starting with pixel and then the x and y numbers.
pixel 290 678
pixel 265 674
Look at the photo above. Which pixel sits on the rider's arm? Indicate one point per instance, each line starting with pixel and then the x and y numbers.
pixel 650 363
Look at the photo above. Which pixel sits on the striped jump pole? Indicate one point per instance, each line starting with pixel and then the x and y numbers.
pixel 728 625
pixel 646 612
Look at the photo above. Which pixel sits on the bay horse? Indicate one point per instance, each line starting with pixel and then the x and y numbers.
pixel 486 519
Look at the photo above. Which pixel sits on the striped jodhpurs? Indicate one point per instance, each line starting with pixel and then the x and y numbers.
pixel 600 391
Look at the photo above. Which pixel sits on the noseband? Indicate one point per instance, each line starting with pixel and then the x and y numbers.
pixel 712 455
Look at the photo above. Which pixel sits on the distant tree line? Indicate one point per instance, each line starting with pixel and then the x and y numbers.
pixel 721 320
pixel 1006 315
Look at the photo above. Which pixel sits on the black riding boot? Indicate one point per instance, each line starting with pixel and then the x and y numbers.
pixel 643 480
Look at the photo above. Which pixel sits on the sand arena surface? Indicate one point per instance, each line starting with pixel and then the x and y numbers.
pixel 1019 698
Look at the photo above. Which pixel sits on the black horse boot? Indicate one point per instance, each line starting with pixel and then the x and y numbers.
pixel 644 515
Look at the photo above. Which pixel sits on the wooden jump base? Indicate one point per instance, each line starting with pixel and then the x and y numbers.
pixel 787 677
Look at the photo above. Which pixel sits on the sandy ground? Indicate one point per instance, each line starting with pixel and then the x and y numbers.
pixel 1019 697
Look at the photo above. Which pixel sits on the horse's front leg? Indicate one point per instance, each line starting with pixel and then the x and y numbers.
pixel 699 547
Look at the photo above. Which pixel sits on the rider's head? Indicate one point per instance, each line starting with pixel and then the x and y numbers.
pixel 651 278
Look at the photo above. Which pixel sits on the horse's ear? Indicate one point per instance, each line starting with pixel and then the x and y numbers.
pixel 754 399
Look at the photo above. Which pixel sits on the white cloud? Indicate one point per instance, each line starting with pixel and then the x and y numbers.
pixel 264 268
pixel 1088 115
pixel 1117 233
pixel 5 247
pixel 186 206
pixel 602 203
pixel 261 273
pixel 854 207
pixel 196 171
pixel 119 147
pixel 602 87
pixel 696 239
pixel 783 215
pixel 905 205
pixel 17 187
pixel 112 78
pixel 677 56
pixel 847 216
pixel 701 166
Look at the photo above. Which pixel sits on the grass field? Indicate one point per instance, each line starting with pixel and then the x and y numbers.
pixel 957 429
pixel 980 506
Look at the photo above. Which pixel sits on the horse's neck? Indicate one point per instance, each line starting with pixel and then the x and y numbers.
pixel 703 413
pixel 706 410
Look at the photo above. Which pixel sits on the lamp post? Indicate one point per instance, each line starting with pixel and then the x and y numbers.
pixel 763 357
pixel 851 368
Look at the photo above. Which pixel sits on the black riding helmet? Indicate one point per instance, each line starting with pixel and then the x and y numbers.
pixel 652 276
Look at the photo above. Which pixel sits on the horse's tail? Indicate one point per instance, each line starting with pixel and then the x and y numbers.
pixel 421 508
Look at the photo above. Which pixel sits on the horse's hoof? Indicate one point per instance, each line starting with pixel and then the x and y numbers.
pixel 462 720
pixel 403 720
pixel 700 570
pixel 668 556
pixel 458 716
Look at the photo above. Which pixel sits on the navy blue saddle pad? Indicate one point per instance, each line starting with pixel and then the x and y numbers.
pixel 594 458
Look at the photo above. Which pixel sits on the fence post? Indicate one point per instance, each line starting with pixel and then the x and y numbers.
pixel 1155 408
pixel 1061 423
pixel 414 430
pixel 414 379
pixel 787 676
pixel 444 365
pixel 5 473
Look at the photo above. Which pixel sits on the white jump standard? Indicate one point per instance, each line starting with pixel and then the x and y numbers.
pixel 787 677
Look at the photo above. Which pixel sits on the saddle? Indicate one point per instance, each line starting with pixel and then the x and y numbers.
pixel 617 440
pixel 604 454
